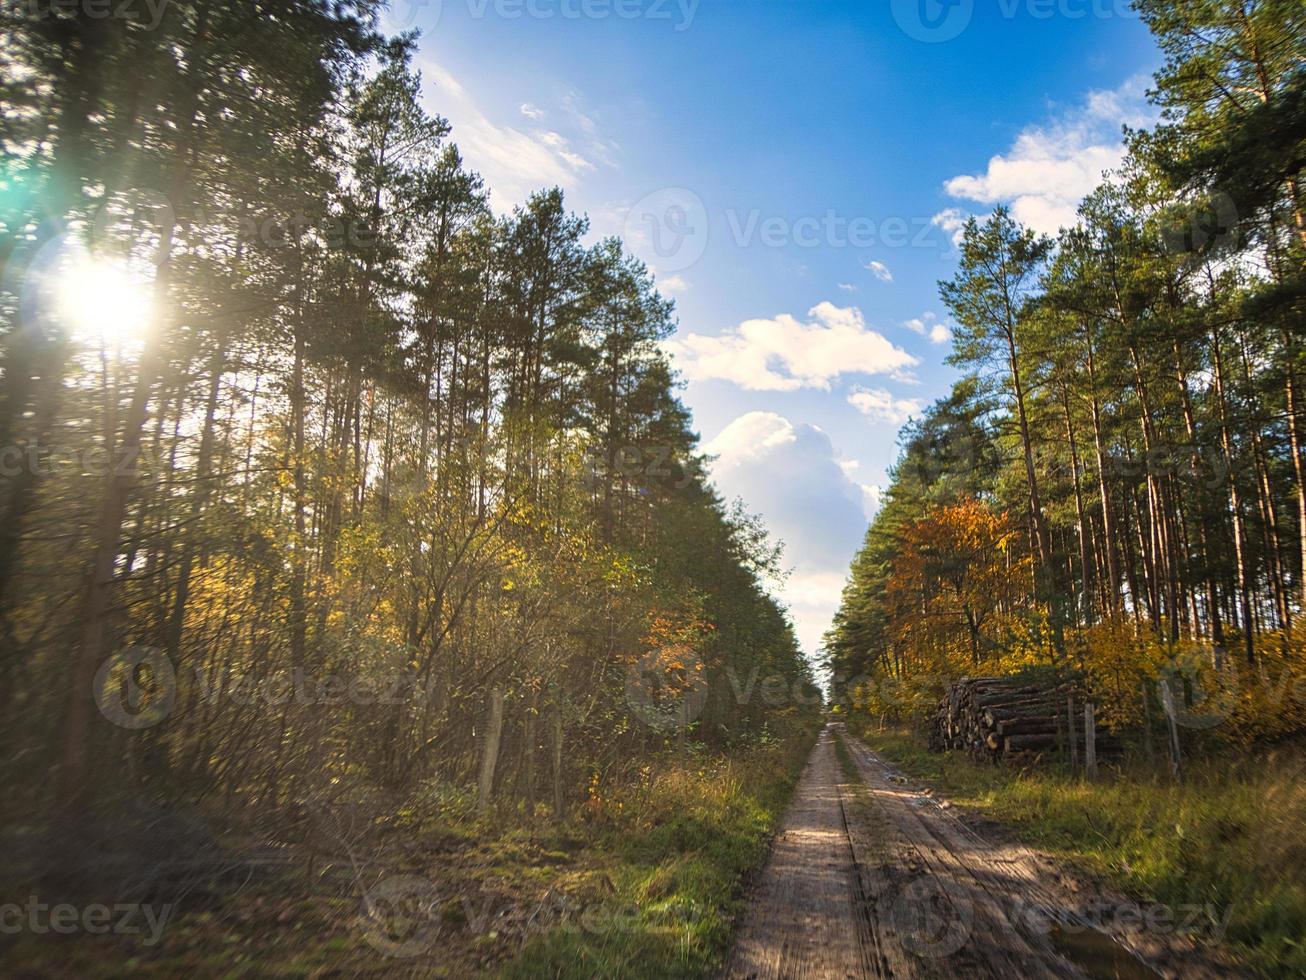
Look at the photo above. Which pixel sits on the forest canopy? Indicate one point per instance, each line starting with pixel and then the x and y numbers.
pixel 329 479
pixel 1116 488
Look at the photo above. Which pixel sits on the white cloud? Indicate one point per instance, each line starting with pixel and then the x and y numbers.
pixel 598 145
pixel 514 161
pixel 786 354
pixel 879 270
pixel 672 285
pixel 952 221
pixel 929 325
pixel 874 499
pixel 791 475
pixel 847 287
pixel 814 589
pixel 1051 168
pixel 881 406
pixel 872 495
pixel 558 143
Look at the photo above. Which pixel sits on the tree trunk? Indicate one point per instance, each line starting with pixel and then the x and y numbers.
pixel 1090 741
pixel 490 752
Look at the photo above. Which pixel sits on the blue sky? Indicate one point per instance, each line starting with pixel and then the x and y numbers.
pixel 793 171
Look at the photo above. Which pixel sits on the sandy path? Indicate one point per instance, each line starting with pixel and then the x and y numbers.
pixel 871 877
pixel 807 917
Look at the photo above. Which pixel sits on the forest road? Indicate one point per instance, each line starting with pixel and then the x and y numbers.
pixel 872 877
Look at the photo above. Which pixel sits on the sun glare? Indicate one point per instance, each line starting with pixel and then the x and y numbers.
pixel 104 301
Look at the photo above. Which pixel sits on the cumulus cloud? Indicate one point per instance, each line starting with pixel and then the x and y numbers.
pixel 791 475
pixel 672 285
pixel 952 221
pixel 531 112
pixel 872 494
pixel 879 270
pixel 1050 168
pixel 787 354
pixel 929 325
pixel 881 405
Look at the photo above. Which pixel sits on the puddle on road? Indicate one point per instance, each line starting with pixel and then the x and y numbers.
pixel 1100 956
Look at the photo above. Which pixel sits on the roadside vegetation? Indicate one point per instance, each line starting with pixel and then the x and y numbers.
pixel 645 881
pixel 1228 836
pixel 681 849
pixel 1111 504
pixel 359 569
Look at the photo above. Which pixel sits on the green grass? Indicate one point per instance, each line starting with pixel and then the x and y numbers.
pixel 645 884
pixel 1230 836
pixel 846 762
pixel 678 851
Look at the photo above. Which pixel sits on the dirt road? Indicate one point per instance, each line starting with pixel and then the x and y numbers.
pixel 872 877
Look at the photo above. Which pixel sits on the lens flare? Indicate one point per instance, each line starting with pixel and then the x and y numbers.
pixel 104 301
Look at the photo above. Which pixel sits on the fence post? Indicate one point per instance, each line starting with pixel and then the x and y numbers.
pixel 1090 742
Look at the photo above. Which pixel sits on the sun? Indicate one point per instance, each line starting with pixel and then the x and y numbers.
pixel 104 301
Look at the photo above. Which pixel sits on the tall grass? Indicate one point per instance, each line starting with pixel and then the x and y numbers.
pixel 680 843
pixel 1230 836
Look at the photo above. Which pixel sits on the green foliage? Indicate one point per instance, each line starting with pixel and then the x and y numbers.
pixel 397 492
pixel 1133 399
pixel 1229 836
pixel 681 845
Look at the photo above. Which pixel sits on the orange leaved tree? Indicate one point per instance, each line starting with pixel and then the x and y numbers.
pixel 958 573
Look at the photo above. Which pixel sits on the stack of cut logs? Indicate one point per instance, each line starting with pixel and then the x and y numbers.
pixel 1006 718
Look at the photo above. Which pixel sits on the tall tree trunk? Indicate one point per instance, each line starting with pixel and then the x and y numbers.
pixel 1241 558
pixel 1108 521
pixel 198 502
pixel 1085 566
pixel 97 631
pixel 490 752
pixel 1298 447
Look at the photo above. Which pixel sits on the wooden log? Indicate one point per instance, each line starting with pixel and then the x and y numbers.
pixel 1027 726
pixel 992 716
pixel 1021 743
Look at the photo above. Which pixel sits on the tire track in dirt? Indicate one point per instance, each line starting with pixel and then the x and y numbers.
pixel 807 917
pixel 871 877
pixel 1028 913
